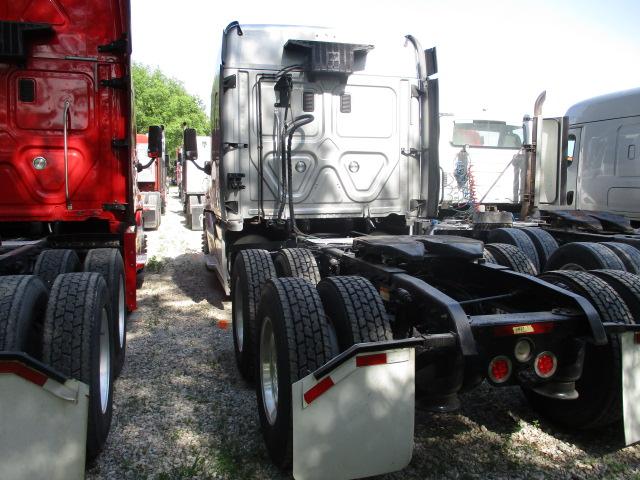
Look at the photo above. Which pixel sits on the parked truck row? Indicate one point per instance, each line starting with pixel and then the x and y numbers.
pixel 356 286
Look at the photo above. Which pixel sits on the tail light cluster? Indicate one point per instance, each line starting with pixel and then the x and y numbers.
pixel 545 363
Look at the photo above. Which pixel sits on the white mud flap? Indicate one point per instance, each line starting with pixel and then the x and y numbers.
pixel 630 343
pixel 355 420
pixel 196 215
pixel 151 210
pixel 43 422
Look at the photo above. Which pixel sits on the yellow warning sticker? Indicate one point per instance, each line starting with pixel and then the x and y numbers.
pixel 522 329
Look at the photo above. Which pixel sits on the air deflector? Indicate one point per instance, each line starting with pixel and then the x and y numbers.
pixel 329 57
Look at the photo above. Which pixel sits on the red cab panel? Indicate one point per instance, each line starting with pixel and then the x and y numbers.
pixel 77 73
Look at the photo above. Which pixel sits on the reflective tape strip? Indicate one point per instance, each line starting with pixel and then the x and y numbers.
pixel 350 366
pixel 318 389
pixel 373 359
pixel 530 329
pixel 23 371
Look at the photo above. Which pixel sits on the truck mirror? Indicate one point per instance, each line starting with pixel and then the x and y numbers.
pixel 154 150
pixel 207 168
pixel 190 144
pixel 527 129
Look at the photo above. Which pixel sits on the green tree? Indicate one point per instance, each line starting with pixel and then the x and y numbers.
pixel 160 100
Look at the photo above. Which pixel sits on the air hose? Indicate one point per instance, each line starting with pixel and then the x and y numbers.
pixel 290 130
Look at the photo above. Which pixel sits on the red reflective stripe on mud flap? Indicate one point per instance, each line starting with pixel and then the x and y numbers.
pixel 373 359
pixel 318 389
pixel 23 371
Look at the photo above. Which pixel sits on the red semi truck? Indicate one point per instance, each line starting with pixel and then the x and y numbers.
pixel 70 228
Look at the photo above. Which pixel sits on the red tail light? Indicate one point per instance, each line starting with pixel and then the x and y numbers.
pixel 500 369
pixel 546 364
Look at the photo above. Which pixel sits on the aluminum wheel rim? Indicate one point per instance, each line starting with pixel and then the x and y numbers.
pixel 105 360
pixel 121 313
pixel 238 320
pixel 269 371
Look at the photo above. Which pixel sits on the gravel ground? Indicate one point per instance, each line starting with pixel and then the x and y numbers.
pixel 182 411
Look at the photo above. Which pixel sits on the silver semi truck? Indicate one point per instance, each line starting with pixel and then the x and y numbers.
pixel 602 164
pixel 320 221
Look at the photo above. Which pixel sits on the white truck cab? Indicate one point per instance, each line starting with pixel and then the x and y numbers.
pixel 590 159
pixel 481 160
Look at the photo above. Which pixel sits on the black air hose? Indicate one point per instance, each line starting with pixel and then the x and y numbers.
pixel 290 130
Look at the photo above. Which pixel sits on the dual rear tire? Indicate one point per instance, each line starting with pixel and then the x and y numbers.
pixel 78 341
pixel 70 331
pixel 73 321
pixel 599 387
pixel 294 328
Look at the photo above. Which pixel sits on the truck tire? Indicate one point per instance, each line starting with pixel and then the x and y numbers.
pixel 23 300
pixel 600 400
pixel 205 242
pixel 294 341
pixel 355 311
pixel 297 262
pixel 488 256
pixel 139 279
pixel 108 263
pixel 51 263
pixel 629 255
pixel 511 257
pixel 518 238
pixel 626 285
pixel 78 342
pixel 251 270
pixel 583 256
pixel 543 241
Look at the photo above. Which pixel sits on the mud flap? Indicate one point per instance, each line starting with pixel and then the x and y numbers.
pixel 630 343
pixel 43 421
pixel 354 417
pixel 152 210
pixel 196 215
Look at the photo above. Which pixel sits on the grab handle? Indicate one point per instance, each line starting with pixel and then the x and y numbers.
pixel 65 123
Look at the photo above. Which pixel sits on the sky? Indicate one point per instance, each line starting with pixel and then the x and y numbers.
pixel 493 55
